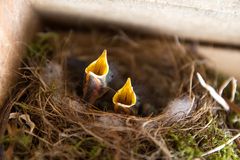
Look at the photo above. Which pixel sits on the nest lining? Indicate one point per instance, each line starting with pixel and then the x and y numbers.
pixel 66 127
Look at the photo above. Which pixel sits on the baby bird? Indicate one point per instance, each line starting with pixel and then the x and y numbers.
pixel 95 78
pixel 125 98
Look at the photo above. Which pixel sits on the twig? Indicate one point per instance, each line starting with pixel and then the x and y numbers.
pixel 38 137
pixel 191 80
pixel 160 143
pixel 234 87
pixel 213 93
pixel 221 146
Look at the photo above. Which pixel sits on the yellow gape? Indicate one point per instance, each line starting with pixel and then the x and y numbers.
pixel 95 78
pixel 125 97
pixel 100 66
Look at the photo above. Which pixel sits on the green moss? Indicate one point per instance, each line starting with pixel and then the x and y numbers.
pixel 189 145
pixel 24 140
pixel 92 149
pixel 215 136
pixel 21 141
pixel 42 47
pixel 234 120
pixel 185 145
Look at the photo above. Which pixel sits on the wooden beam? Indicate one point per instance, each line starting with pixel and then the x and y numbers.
pixel 17 24
pixel 215 21
pixel 224 60
pixel 16 27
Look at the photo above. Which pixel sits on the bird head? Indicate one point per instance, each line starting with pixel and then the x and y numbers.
pixel 125 97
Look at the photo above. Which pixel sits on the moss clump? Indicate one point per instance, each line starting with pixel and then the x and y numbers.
pixel 43 47
pixel 185 146
pixel 190 145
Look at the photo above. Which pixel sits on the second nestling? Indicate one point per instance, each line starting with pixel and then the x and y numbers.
pixel 95 86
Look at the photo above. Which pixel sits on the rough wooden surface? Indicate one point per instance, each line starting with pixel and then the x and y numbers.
pixel 17 23
pixel 224 60
pixel 206 20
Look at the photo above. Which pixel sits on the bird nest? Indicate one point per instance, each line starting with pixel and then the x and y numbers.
pixel 174 116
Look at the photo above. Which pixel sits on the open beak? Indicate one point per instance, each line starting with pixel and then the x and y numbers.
pixel 125 97
pixel 95 78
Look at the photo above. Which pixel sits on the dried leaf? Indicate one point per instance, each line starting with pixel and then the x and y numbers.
pixel 25 117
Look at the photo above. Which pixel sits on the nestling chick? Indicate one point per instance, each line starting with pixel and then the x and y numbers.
pixel 95 78
pixel 125 98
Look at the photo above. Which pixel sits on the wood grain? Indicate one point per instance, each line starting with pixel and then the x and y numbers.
pixel 213 21
pixel 16 27
pixel 17 24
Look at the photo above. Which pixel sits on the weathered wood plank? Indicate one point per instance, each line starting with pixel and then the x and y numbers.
pixel 17 23
pixel 16 26
pixel 217 21
pixel 224 60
